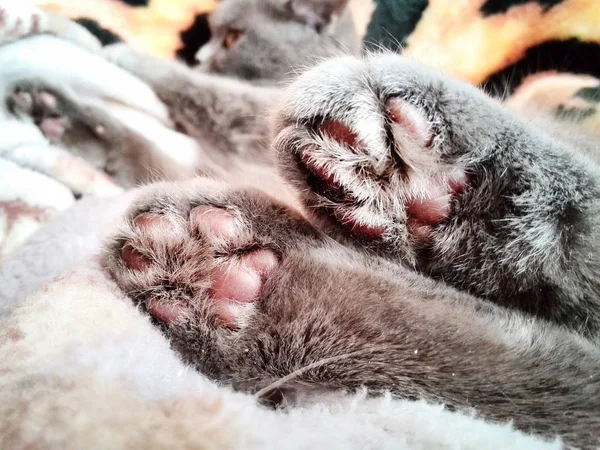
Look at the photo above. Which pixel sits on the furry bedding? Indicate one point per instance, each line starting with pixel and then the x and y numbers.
pixel 527 51
pixel 37 179
pixel 80 367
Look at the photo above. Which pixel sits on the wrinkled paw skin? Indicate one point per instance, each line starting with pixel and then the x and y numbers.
pixel 42 107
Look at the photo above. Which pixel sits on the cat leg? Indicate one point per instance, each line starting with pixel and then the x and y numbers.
pixel 250 294
pixel 91 133
pixel 30 102
pixel 223 114
pixel 392 156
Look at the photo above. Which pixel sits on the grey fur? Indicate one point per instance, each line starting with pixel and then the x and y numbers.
pixel 223 114
pixel 340 312
pixel 339 318
pixel 278 37
pixel 525 234
pixel 351 313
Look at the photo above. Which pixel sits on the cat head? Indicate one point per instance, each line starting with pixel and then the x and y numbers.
pixel 266 40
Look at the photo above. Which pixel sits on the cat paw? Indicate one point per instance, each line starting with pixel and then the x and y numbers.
pixel 388 149
pixel 41 105
pixel 430 171
pixel 200 253
pixel 371 151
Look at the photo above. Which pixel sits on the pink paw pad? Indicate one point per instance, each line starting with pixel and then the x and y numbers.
pixel 134 259
pixel 412 121
pixel 149 223
pixel 340 133
pixel 234 284
pixel 48 101
pixel 238 282
pixel 24 101
pixel 54 128
pixel 430 210
pixel 166 312
pixel 220 223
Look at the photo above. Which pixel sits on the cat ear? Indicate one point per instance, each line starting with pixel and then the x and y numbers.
pixel 319 14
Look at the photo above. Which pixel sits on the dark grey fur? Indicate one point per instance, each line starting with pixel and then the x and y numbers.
pixel 341 319
pixel 277 37
pixel 344 313
pixel 340 312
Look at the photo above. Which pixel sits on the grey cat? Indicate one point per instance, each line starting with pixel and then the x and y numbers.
pixel 400 171
pixel 255 44
pixel 91 134
pixel 267 41
pixel 409 182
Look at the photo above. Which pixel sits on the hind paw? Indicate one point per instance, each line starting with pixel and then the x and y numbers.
pixel 202 253
pixel 42 106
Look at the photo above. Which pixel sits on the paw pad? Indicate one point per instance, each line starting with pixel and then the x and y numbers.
pixel 42 107
pixel 235 278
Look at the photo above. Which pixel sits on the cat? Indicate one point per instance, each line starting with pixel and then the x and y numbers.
pixel 446 249
pixel 222 103
pixel 91 133
pixel 426 230
pixel 265 42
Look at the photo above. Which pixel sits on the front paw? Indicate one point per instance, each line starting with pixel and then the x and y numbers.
pixel 430 171
pixel 375 142
pixel 44 105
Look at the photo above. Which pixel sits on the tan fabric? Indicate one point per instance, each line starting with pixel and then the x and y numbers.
pixel 457 39
pixel 153 29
